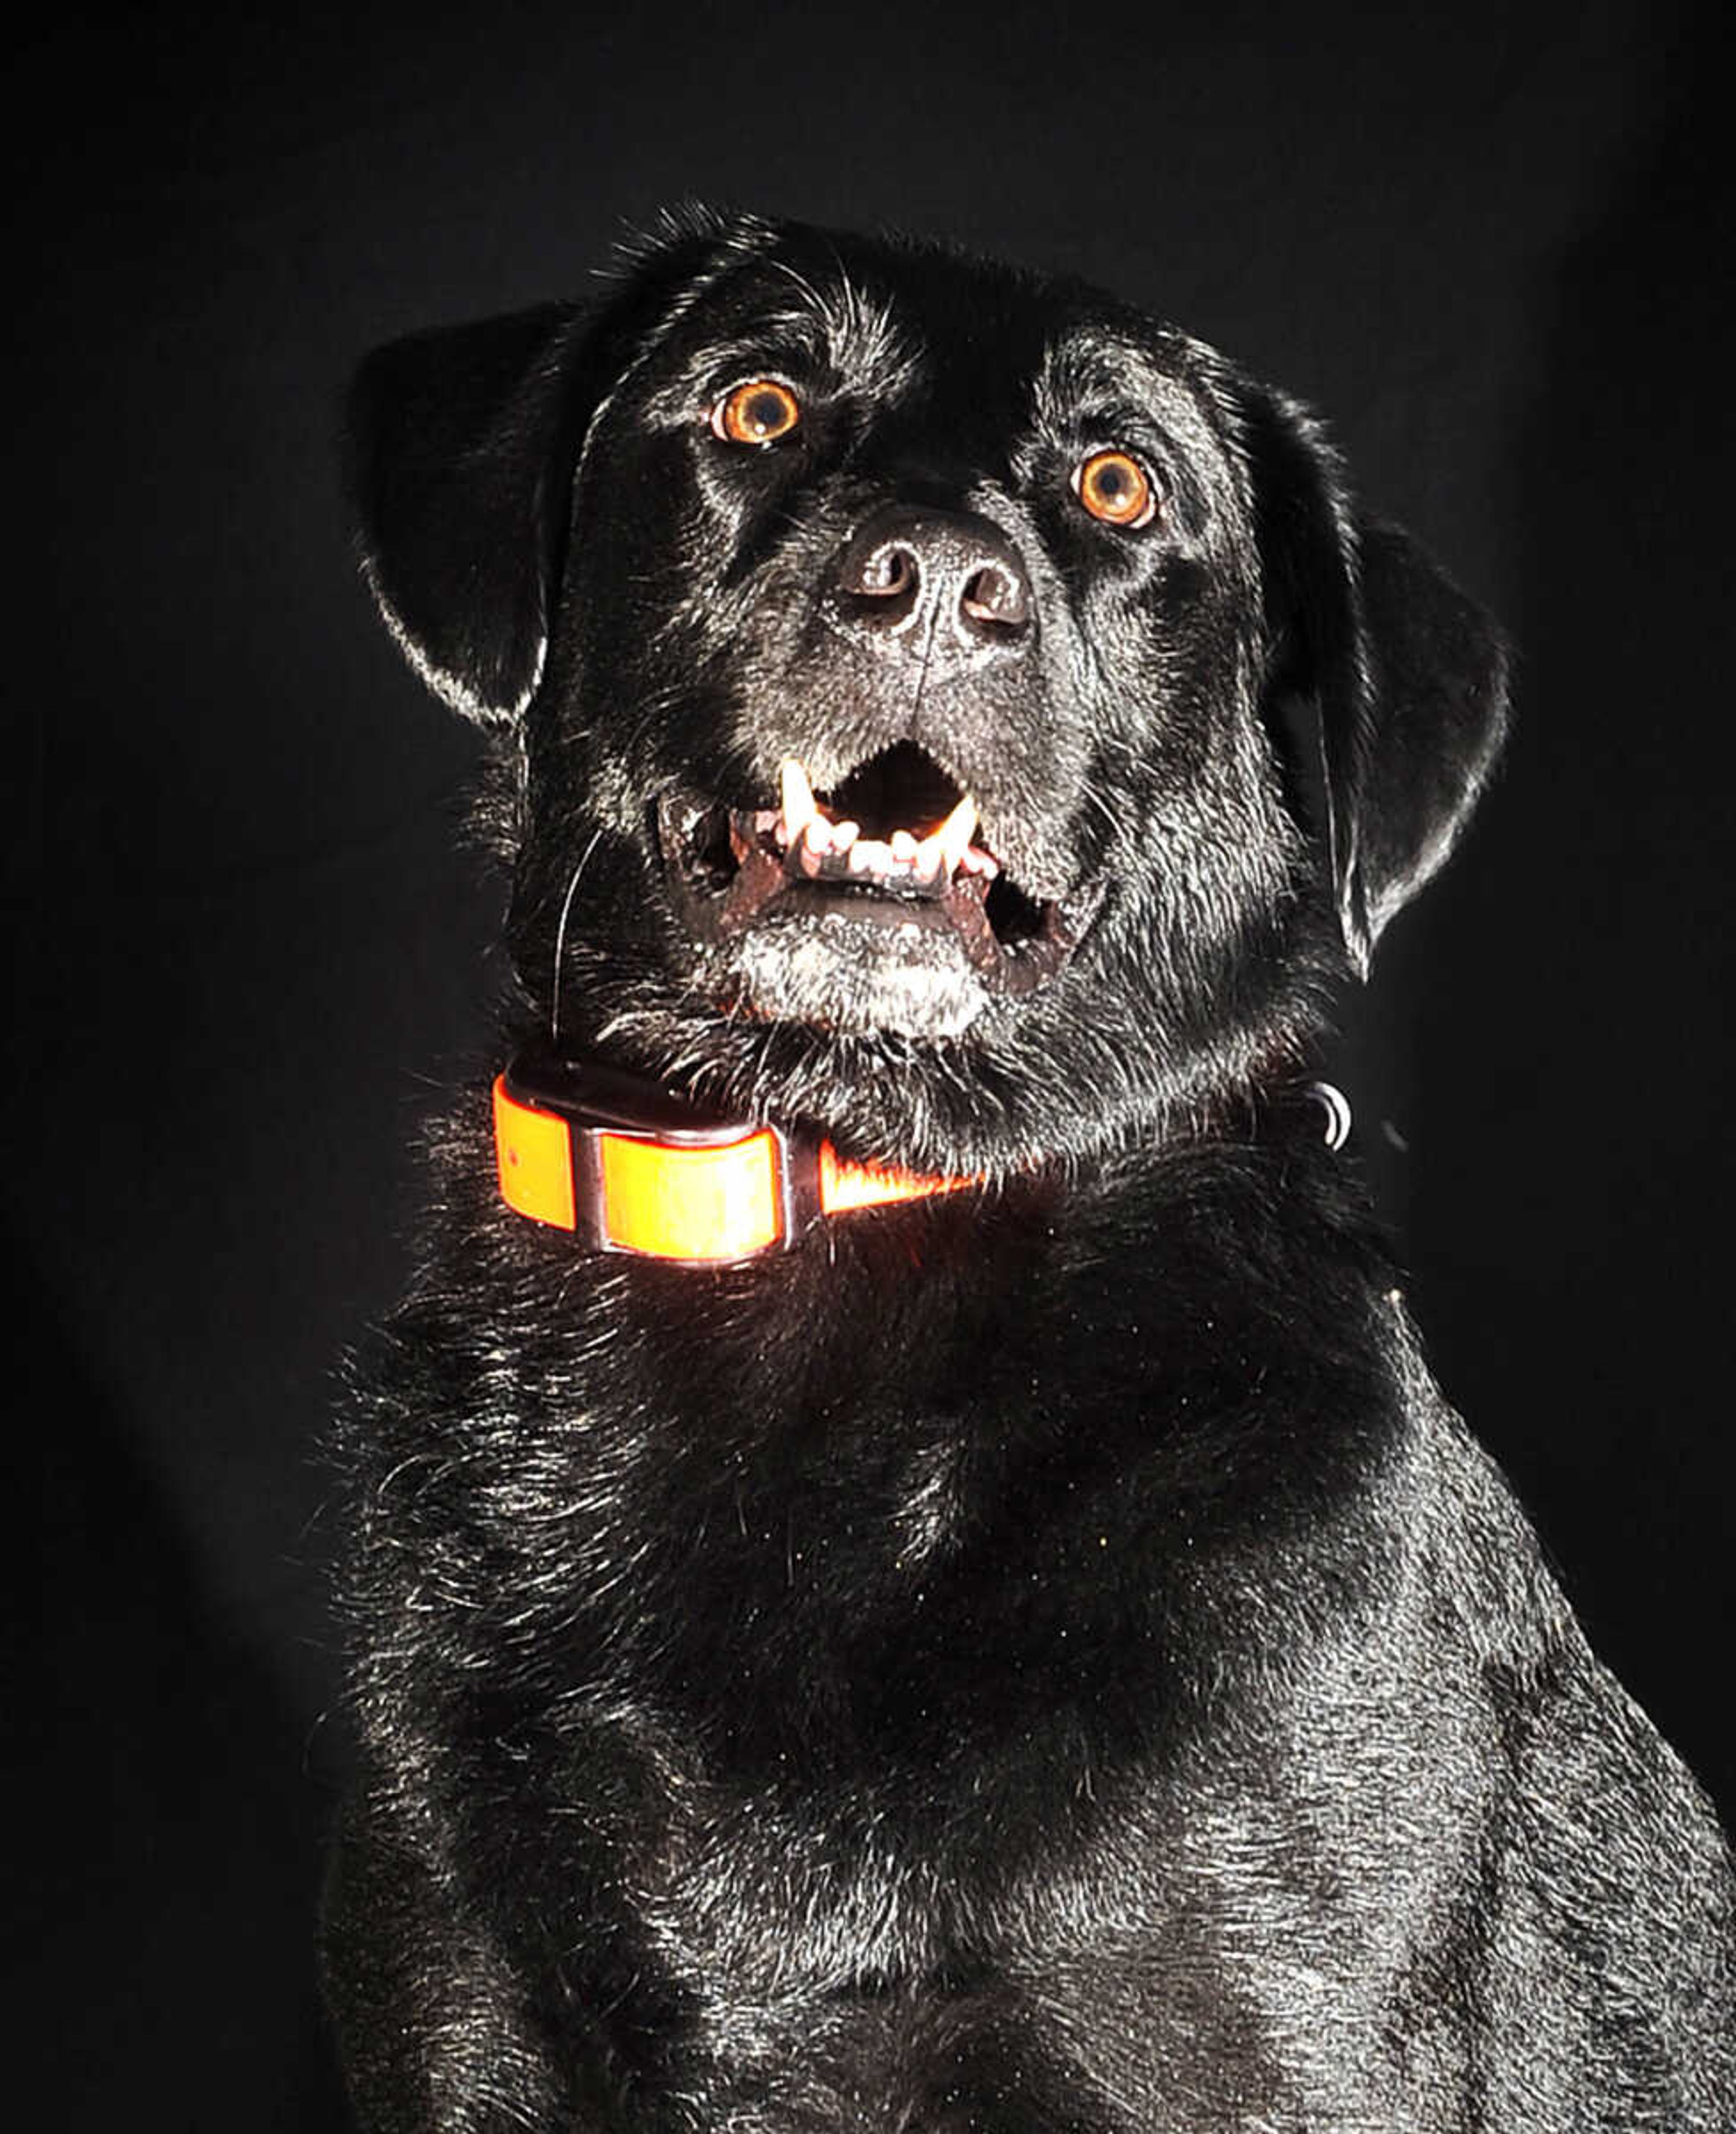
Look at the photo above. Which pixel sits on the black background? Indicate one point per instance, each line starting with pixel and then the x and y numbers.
pixel 246 947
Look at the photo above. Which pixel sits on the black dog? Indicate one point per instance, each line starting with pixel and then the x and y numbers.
pixel 910 1574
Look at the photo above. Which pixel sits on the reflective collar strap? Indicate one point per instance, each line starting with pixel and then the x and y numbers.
pixel 741 1192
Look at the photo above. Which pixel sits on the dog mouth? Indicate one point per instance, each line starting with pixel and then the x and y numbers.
pixel 897 841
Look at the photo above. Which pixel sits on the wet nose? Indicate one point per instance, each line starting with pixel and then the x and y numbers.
pixel 908 572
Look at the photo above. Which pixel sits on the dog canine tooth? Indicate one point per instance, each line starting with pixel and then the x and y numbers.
pixel 952 840
pixel 799 808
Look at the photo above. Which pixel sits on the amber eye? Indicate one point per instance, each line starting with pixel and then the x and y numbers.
pixel 1113 487
pixel 759 412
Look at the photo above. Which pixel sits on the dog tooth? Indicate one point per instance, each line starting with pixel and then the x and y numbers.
pixel 844 835
pixel 817 836
pixel 798 798
pixel 904 847
pixel 952 840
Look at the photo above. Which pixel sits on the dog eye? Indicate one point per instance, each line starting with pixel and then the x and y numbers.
pixel 1113 487
pixel 759 412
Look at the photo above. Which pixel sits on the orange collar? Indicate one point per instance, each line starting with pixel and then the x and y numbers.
pixel 630 1169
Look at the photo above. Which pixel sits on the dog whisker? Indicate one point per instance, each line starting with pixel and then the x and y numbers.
pixel 560 936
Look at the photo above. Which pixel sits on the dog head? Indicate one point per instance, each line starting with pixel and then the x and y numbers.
pixel 891 656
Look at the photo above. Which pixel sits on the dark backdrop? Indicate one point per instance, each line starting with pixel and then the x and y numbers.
pixel 244 946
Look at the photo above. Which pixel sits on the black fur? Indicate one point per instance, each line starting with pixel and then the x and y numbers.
pixel 1039 1659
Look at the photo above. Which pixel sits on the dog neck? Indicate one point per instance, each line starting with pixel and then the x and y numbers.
pixel 626 1167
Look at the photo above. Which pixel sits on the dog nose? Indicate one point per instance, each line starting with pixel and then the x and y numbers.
pixel 907 571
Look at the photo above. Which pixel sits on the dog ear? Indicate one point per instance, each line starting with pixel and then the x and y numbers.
pixel 1409 675
pixel 461 448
